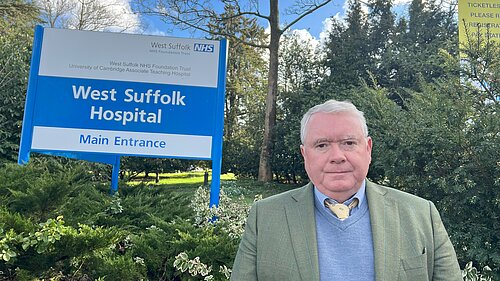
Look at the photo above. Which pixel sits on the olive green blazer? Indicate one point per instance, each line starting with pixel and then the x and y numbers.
pixel 409 239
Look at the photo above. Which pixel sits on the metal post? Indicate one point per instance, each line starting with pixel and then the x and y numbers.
pixel 115 176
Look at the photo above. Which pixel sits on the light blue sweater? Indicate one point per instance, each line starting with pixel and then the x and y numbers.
pixel 345 248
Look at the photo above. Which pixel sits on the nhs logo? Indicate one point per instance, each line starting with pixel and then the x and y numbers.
pixel 207 48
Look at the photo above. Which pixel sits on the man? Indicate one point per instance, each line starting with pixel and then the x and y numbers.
pixel 383 234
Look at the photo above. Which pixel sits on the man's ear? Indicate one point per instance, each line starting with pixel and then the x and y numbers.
pixel 302 150
pixel 369 145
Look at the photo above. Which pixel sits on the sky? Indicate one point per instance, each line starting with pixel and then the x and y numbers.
pixel 314 23
pixel 313 26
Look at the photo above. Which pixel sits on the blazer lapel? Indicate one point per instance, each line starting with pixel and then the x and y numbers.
pixel 384 218
pixel 302 226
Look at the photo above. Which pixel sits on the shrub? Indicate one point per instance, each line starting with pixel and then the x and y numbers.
pixel 39 192
pixel 470 273
pixel 39 250
pixel 214 240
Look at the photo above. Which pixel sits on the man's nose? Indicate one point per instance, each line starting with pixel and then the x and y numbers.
pixel 336 154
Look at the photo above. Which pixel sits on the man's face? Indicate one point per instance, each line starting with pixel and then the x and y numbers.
pixel 336 154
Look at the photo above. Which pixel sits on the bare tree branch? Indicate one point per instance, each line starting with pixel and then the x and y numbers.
pixel 310 9
pixel 96 15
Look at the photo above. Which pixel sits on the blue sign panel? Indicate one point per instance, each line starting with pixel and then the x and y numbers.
pixel 98 96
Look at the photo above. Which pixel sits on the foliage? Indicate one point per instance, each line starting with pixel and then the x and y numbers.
pixel 153 246
pixel 376 50
pixel 230 214
pixel 195 234
pixel 245 98
pixel 122 237
pixel 300 63
pixel 347 48
pixel 195 267
pixel 51 245
pixel 216 237
pixel 300 73
pixel 128 237
pixel 481 65
pixel 444 147
pixel 470 273
pixel 39 191
pixel 440 139
pixel 17 20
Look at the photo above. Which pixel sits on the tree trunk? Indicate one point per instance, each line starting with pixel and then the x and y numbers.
pixel 265 171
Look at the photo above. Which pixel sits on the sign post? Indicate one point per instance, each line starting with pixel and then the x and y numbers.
pixel 99 96
pixel 115 175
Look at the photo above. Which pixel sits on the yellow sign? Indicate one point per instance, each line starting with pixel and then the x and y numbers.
pixel 478 16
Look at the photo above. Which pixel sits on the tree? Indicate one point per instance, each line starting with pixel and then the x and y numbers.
pixel 445 147
pixel 428 29
pixel 347 49
pixel 373 49
pixel 200 15
pixel 300 72
pixel 300 62
pixel 92 15
pixel 245 85
pixel 381 36
pixel 481 65
pixel 17 20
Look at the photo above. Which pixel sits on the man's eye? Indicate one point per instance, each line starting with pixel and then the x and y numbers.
pixel 348 145
pixel 322 145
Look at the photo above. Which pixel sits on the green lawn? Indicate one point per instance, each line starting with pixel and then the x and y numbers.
pixel 178 178
pixel 189 181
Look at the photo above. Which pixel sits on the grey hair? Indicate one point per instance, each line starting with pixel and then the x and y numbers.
pixel 332 106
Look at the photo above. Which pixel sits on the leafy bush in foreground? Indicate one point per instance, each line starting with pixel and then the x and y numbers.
pixel 143 233
pixel 39 249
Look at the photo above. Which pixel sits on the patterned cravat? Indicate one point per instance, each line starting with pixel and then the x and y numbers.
pixel 340 210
